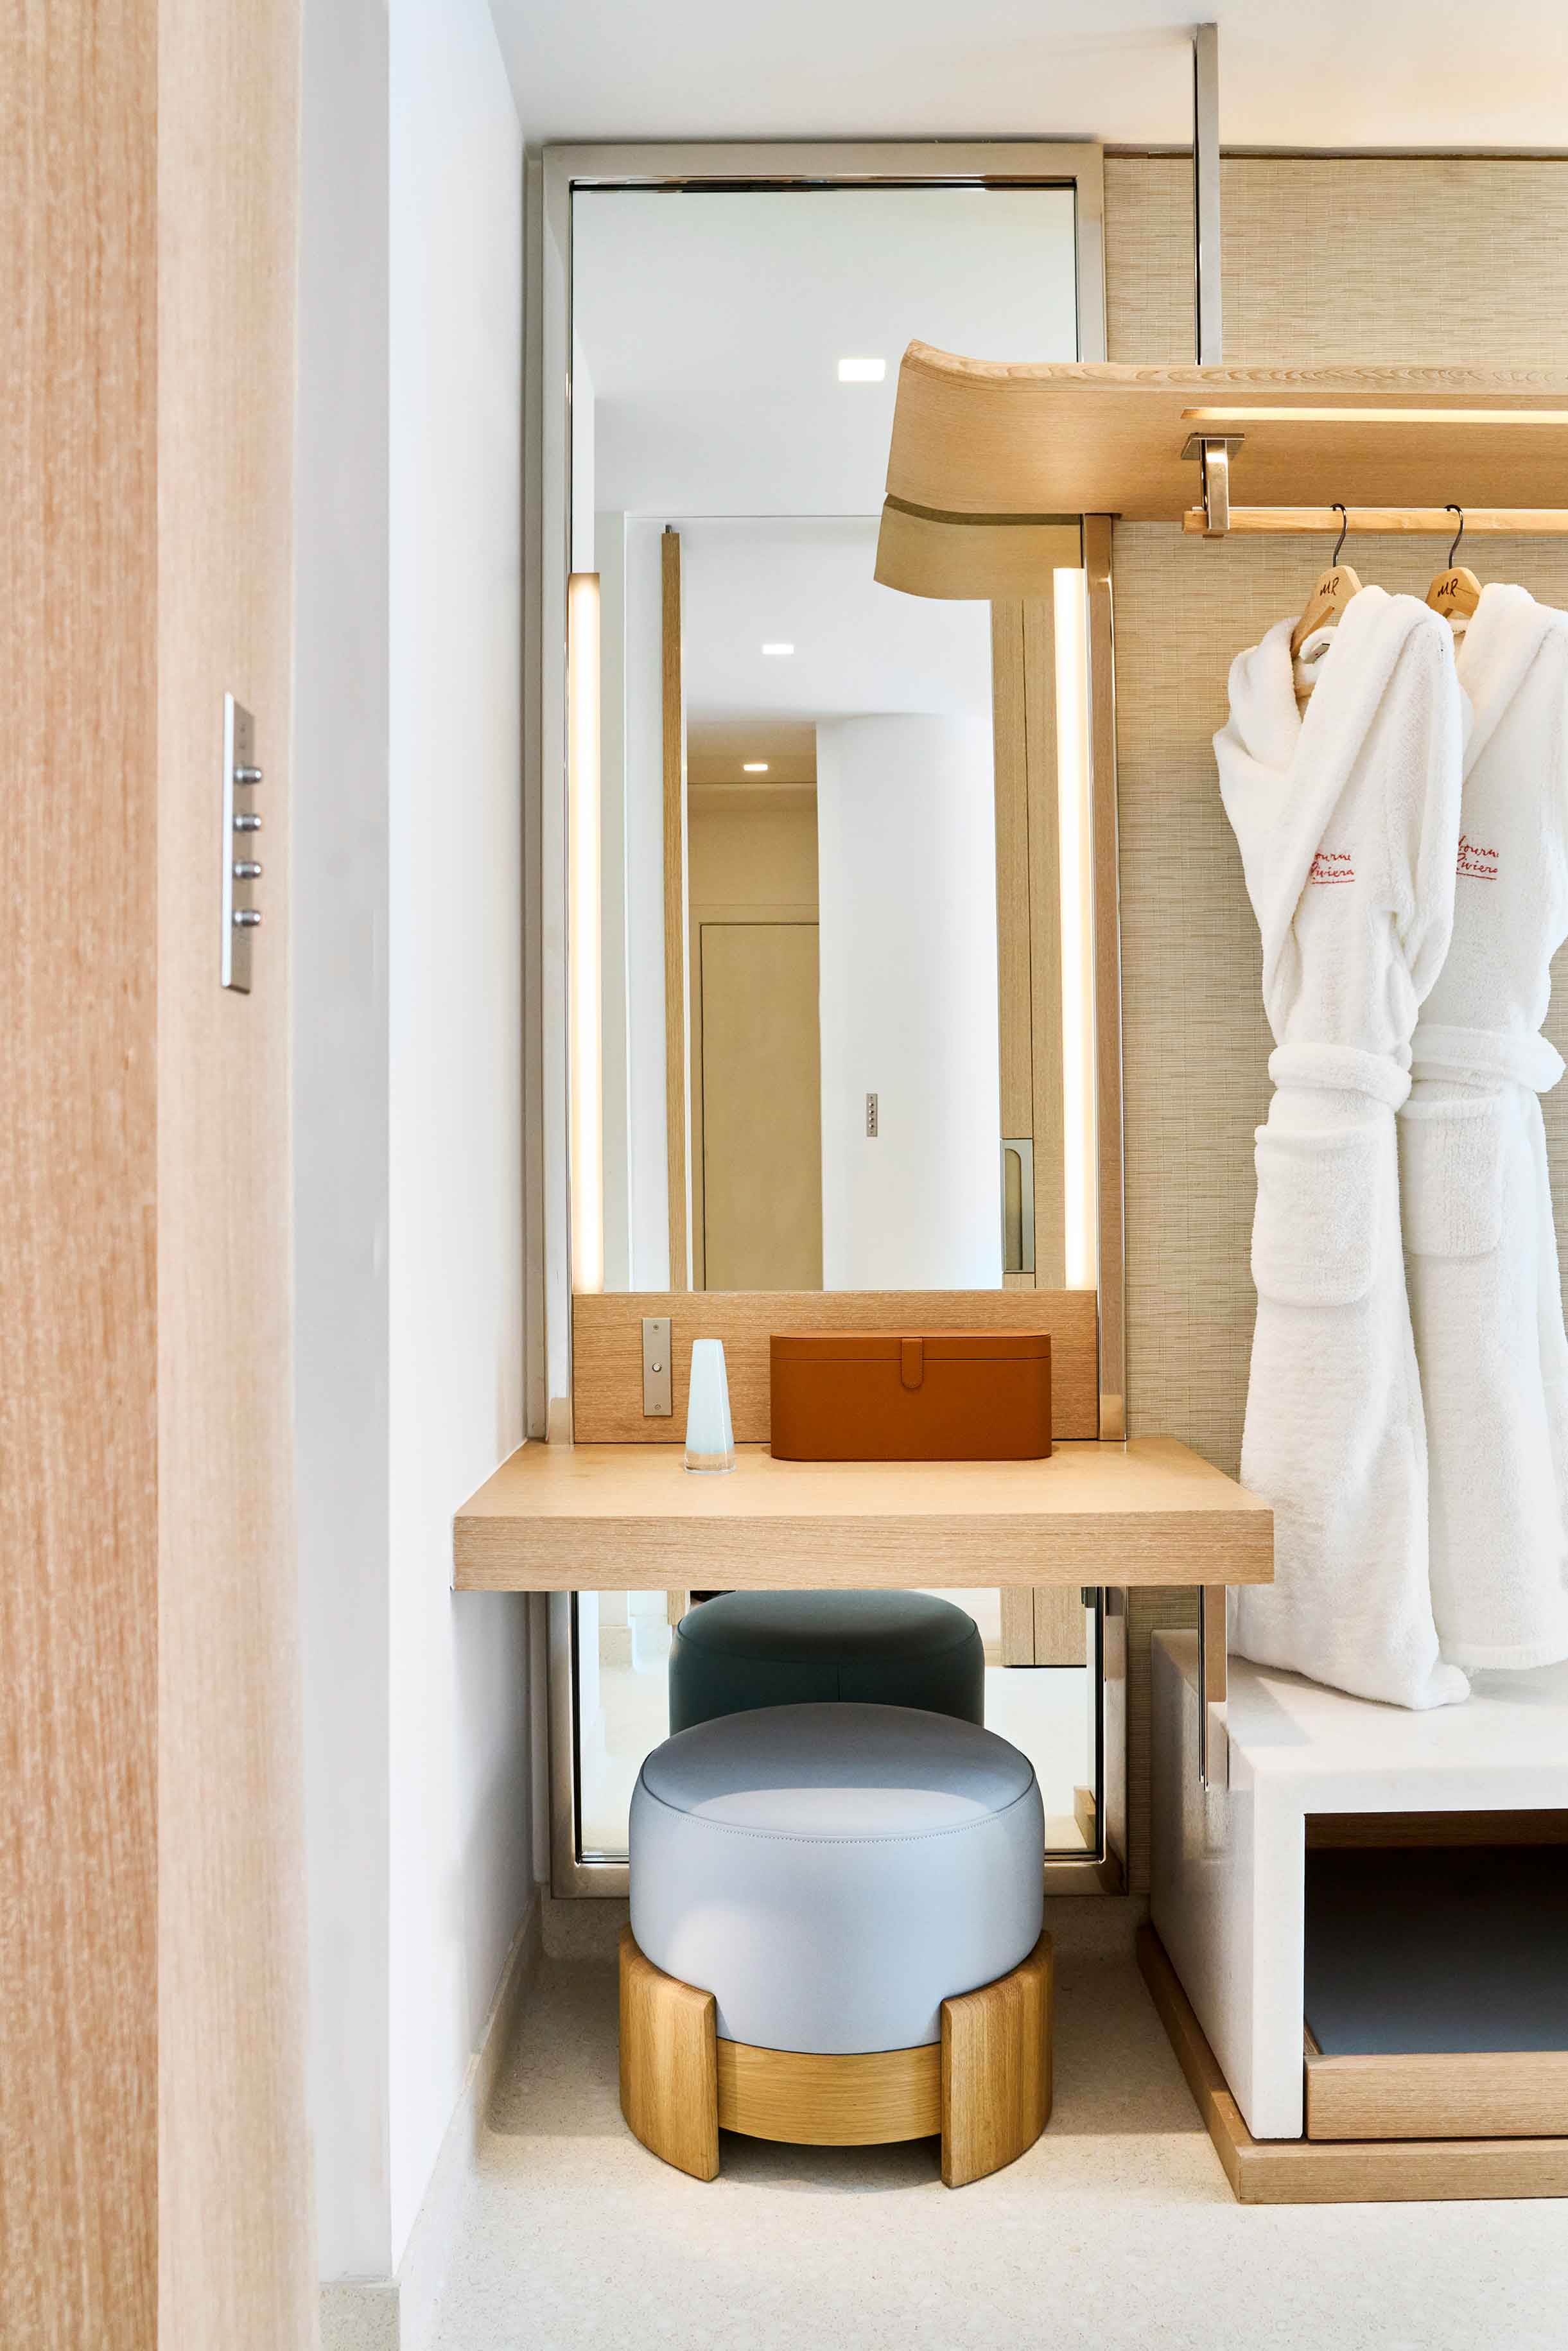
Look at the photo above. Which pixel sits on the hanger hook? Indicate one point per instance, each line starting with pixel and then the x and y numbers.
pixel 1345 533
pixel 1458 534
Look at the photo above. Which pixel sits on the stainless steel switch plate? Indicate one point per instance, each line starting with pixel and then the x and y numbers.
pixel 658 1402
pixel 239 914
pixel 1018 1203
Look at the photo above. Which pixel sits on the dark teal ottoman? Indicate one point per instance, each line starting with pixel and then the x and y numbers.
pixel 796 1648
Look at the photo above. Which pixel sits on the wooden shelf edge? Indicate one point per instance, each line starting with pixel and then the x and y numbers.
pixel 1322 2171
pixel 614 1517
pixel 1528 387
pixel 491 1555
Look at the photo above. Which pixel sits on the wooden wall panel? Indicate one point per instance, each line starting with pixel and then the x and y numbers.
pixel 78 1536
pixel 1010 756
pixel 237 2257
pixel 607 1347
pixel 1327 260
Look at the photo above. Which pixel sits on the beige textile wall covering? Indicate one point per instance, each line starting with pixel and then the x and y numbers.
pixel 1326 260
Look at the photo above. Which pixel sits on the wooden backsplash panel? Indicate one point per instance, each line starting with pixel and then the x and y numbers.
pixel 607 1347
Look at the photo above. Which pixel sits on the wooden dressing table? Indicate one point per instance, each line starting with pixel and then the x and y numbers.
pixel 1145 1512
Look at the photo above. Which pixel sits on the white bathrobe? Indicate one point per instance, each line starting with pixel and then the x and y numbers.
pixel 1347 815
pixel 1478 1232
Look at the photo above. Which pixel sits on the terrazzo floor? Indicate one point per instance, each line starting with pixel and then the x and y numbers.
pixel 1116 2229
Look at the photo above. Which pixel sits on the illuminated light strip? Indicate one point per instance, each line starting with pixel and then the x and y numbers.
pixel 1079 1181
pixel 1374 416
pixel 584 978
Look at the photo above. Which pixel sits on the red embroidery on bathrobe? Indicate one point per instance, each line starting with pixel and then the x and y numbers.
pixel 1332 865
pixel 1476 864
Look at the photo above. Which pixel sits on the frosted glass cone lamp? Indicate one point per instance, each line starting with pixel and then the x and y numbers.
pixel 710 1439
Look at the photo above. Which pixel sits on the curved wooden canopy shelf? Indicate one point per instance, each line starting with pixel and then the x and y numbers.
pixel 979 447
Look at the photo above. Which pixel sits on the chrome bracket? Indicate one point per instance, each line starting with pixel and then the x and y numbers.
pixel 1213 1739
pixel 1213 453
pixel 1018 1203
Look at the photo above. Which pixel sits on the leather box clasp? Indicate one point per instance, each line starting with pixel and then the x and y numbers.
pixel 912 1362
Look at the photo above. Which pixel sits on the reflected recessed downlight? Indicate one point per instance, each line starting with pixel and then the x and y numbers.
pixel 754 767
pixel 778 651
pixel 863 370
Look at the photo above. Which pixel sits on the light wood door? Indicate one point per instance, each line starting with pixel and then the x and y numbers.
pixel 236 2254
pixel 1044 1627
pixel 761 1107
pixel 1028 921
pixel 154 2160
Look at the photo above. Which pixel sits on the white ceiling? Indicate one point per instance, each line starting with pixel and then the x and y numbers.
pixel 1343 73
pixel 749 289
pixel 859 648
pixel 712 327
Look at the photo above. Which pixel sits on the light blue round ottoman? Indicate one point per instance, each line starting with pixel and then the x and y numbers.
pixel 835 1884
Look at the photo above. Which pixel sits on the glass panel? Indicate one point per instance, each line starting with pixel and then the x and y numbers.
pixel 1051 1713
pixel 860 958
pixel 623 1709
pixel 623 1651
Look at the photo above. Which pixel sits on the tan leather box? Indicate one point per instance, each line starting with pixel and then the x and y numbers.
pixel 952 1395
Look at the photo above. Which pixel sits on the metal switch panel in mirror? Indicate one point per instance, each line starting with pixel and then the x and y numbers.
pixel 238 870
pixel 1017 1204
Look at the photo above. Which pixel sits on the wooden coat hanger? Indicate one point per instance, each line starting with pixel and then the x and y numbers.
pixel 1325 606
pixel 1455 590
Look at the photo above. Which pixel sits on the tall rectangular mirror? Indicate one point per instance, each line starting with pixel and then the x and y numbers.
pixel 831 997
pixel 800 1023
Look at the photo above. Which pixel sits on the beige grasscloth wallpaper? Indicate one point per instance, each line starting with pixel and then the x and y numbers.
pixel 1324 260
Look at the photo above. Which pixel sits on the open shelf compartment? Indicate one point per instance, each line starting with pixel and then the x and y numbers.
pixel 1436 1998
pixel 1361 1948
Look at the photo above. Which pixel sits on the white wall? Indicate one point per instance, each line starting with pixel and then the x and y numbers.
pixel 338 793
pixel 642 656
pixel 609 561
pixel 584 468
pixel 406 890
pixel 459 1808
pixel 907 888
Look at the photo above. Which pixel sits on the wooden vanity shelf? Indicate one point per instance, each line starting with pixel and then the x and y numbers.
pixel 562 1517
pixel 1361 1951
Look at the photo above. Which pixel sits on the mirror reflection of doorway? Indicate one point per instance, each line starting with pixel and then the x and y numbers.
pixel 760 1063
pixel 753 1005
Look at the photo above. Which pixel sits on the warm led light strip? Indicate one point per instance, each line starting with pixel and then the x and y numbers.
pixel 1374 416
pixel 583 975
pixel 1525 522
pixel 1079 1181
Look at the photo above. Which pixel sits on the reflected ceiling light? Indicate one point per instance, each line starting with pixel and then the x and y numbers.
pixel 754 767
pixel 778 650
pixel 863 370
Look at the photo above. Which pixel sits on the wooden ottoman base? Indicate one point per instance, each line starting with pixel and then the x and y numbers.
pixel 985 2086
